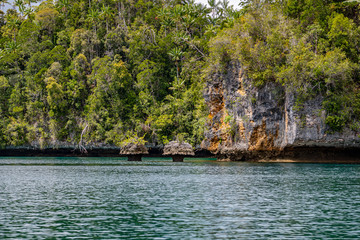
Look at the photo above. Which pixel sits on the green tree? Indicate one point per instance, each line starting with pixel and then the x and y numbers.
pixel 106 14
pixel 47 19
pixel 63 5
pixel 13 24
pixel 176 55
pixel 93 18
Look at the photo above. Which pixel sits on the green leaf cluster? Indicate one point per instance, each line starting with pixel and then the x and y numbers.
pixel 104 71
pixel 113 70
pixel 309 47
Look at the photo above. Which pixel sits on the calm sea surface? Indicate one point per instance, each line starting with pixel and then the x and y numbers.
pixel 109 198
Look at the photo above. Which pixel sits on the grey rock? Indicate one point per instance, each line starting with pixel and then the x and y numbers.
pixel 178 148
pixel 246 122
pixel 134 149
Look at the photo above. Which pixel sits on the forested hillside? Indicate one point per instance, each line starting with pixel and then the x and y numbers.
pixel 116 71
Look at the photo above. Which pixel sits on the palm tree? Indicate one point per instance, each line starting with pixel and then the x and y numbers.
pixel 214 6
pixel 121 12
pixel 225 8
pixel 30 1
pixel 163 12
pixel 12 47
pixel 180 37
pixel 13 23
pixel 176 55
pixel 106 13
pixel 28 12
pixel 188 21
pixel 201 12
pixel 20 4
pixel 165 18
pixel 188 9
pixel 93 17
pixel 176 14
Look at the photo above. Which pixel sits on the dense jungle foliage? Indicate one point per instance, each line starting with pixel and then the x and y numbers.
pixel 114 71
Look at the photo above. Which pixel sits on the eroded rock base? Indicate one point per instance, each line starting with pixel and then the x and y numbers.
pixel 178 158
pixel 326 155
pixel 298 154
pixel 134 158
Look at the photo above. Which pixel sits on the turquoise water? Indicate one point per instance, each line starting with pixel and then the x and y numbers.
pixel 110 198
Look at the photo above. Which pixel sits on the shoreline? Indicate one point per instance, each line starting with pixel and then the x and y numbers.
pixel 287 155
pixel 91 152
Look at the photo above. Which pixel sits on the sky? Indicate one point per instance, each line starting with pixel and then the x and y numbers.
pixel 7 6
pixel 235 3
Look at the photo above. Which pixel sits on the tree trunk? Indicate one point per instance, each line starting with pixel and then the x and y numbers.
pixel 81 147
pixel 177 71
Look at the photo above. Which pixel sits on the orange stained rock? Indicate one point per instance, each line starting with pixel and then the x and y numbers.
pixel 216 101
pixel 261 139
pixel 214 144
pixel 242 130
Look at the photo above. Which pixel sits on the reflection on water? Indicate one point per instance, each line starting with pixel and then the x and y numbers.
pixel 111 198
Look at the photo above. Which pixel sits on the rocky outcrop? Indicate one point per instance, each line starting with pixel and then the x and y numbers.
pixel 249 123
pixel 178 150
pixel 133 151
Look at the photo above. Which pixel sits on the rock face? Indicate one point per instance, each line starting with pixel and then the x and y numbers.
pixel 177 148
pixel 248 123
pixel 134 149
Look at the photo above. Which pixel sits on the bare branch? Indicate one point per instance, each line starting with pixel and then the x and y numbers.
pixel 81 147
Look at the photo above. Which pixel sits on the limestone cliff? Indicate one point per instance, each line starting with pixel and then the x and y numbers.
pixel 247 123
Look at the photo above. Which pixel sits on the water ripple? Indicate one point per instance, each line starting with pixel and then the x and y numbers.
pixel 115 199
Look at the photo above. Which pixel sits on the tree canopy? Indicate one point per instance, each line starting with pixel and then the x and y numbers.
pixel 123 69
